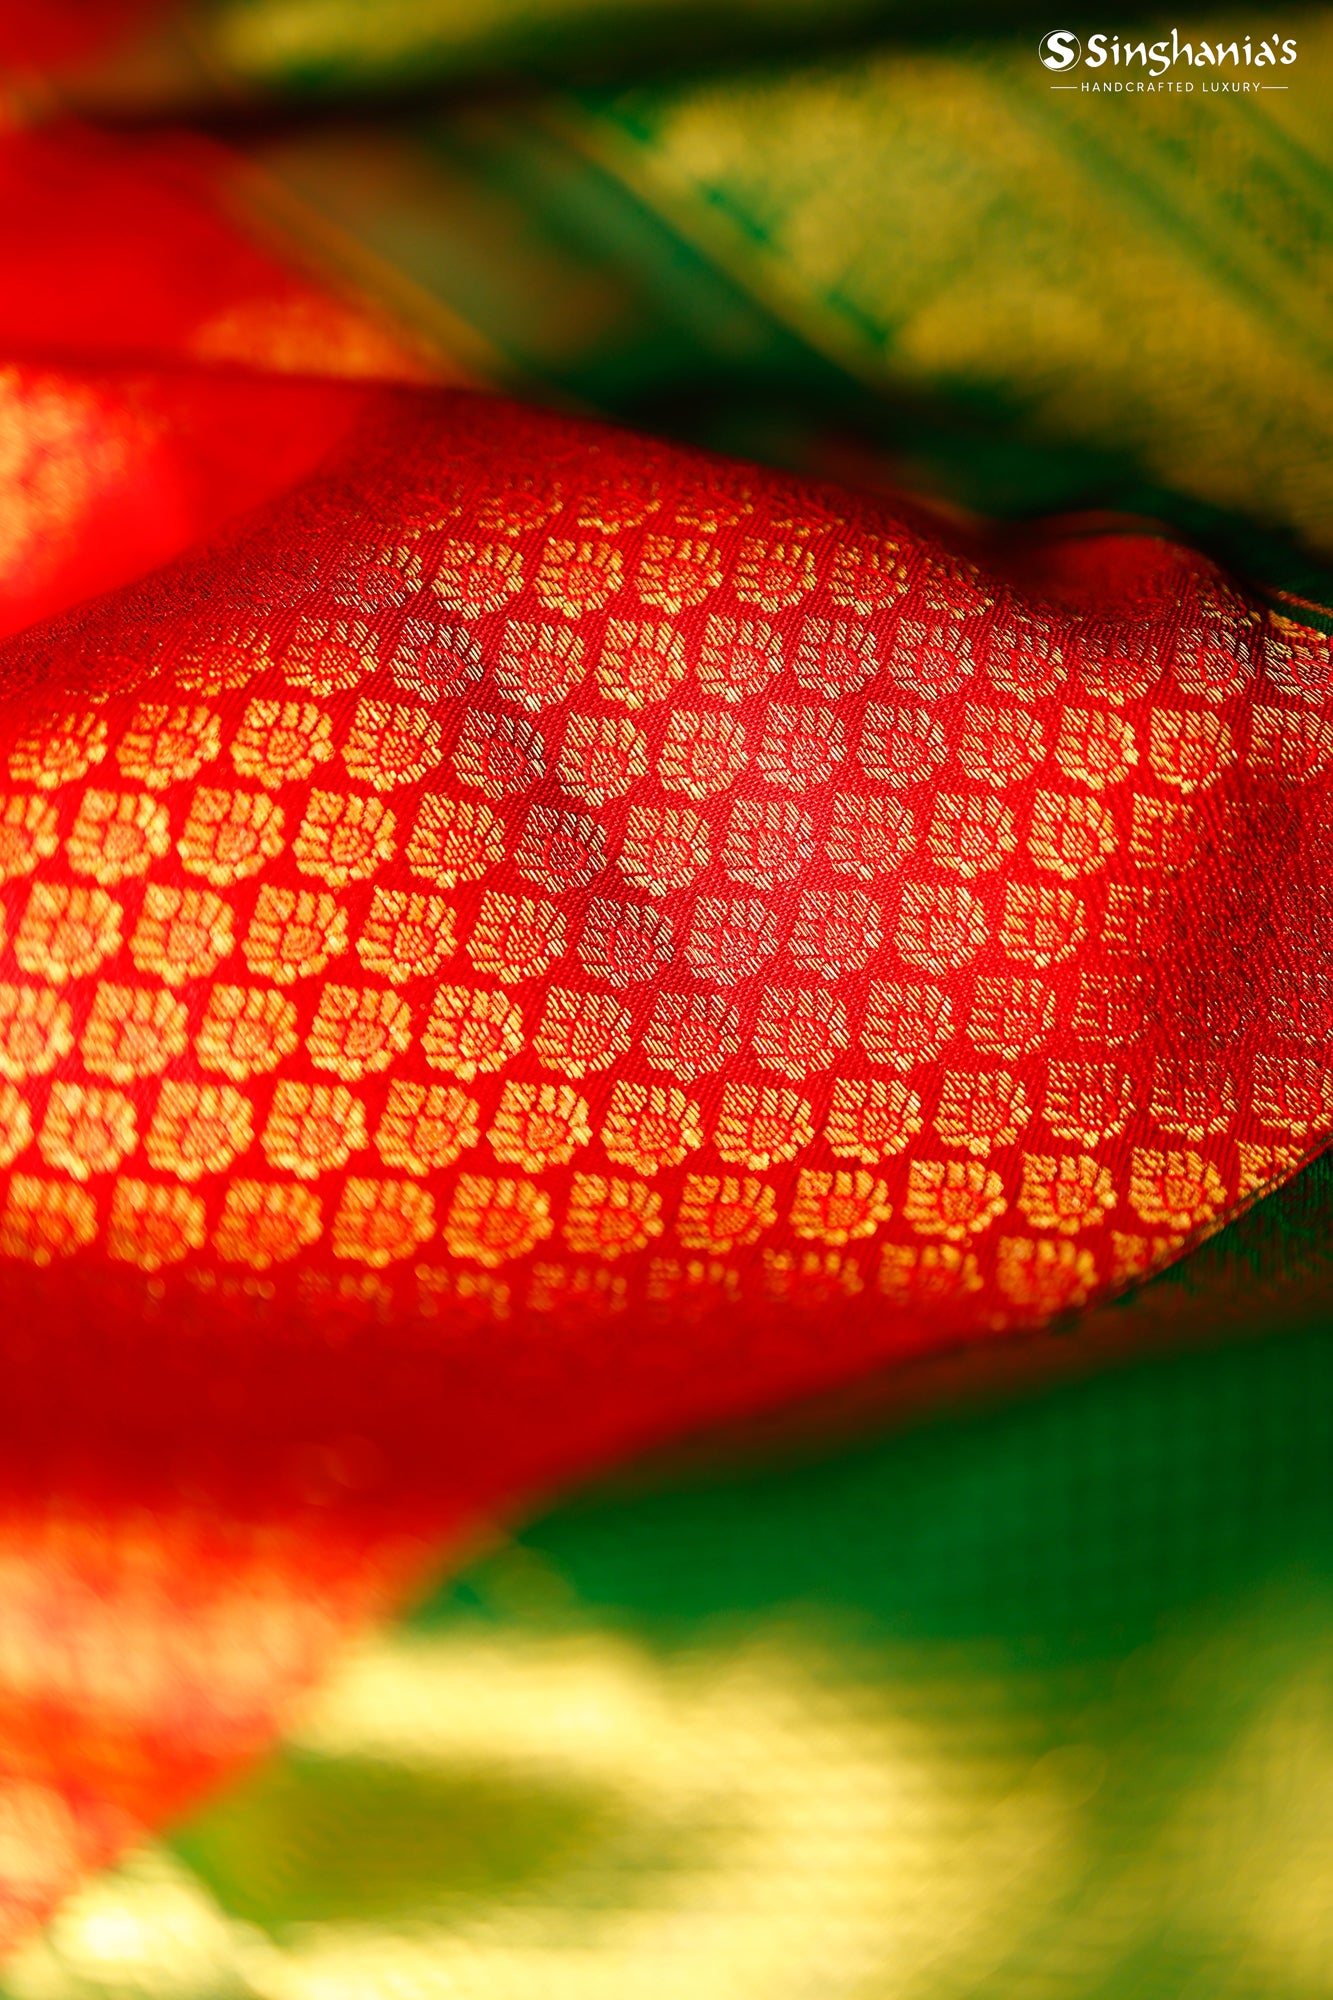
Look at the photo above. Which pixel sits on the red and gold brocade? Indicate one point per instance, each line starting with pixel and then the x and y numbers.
pixel 658 871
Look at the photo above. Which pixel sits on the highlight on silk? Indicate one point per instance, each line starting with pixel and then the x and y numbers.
pixel 666 1006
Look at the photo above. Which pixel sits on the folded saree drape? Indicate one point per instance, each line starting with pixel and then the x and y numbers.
pixel 521 939
pixel 534 938
pixel 734 872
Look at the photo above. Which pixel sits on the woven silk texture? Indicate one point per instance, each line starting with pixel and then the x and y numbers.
pixel 523 943
pixel 695 932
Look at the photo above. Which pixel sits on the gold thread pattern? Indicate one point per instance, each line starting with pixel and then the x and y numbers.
pixel 36 1031
pixel 280 742
pixel 356 1033
pixel 264 1223
pixel 313 1128
pixel 650 1126
pixel 494 1221
pixel 245 1031
pixel 229 835
pixel 293 934
pixel 87 1130
pixel 426 1126
pixel 197 1129
pixel 43 1220
pixel 343 838
pixel 539 1125
pixel 378 1222
pixel 164 746
pixel 406 937
pixel 28 834
pixel 611 1218
pixel 471 1031
pixel 65 933
pixel 132 1032
pixel 151 1225
pixel 181 934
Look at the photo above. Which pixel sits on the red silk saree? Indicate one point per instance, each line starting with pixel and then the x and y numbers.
pixel 523 940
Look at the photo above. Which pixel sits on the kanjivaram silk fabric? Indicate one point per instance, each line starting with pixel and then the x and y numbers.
pixel 531 939
pixel 738 792
pixel 518 963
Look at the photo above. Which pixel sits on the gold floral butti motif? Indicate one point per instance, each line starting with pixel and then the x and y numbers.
pixel 667 895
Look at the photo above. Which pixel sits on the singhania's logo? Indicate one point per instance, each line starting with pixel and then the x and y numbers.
pixel 1060 49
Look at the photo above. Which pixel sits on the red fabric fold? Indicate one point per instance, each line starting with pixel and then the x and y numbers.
pixel 534 940
pixel 780 911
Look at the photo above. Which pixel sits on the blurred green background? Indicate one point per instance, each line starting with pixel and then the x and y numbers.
pixel 1035 1702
